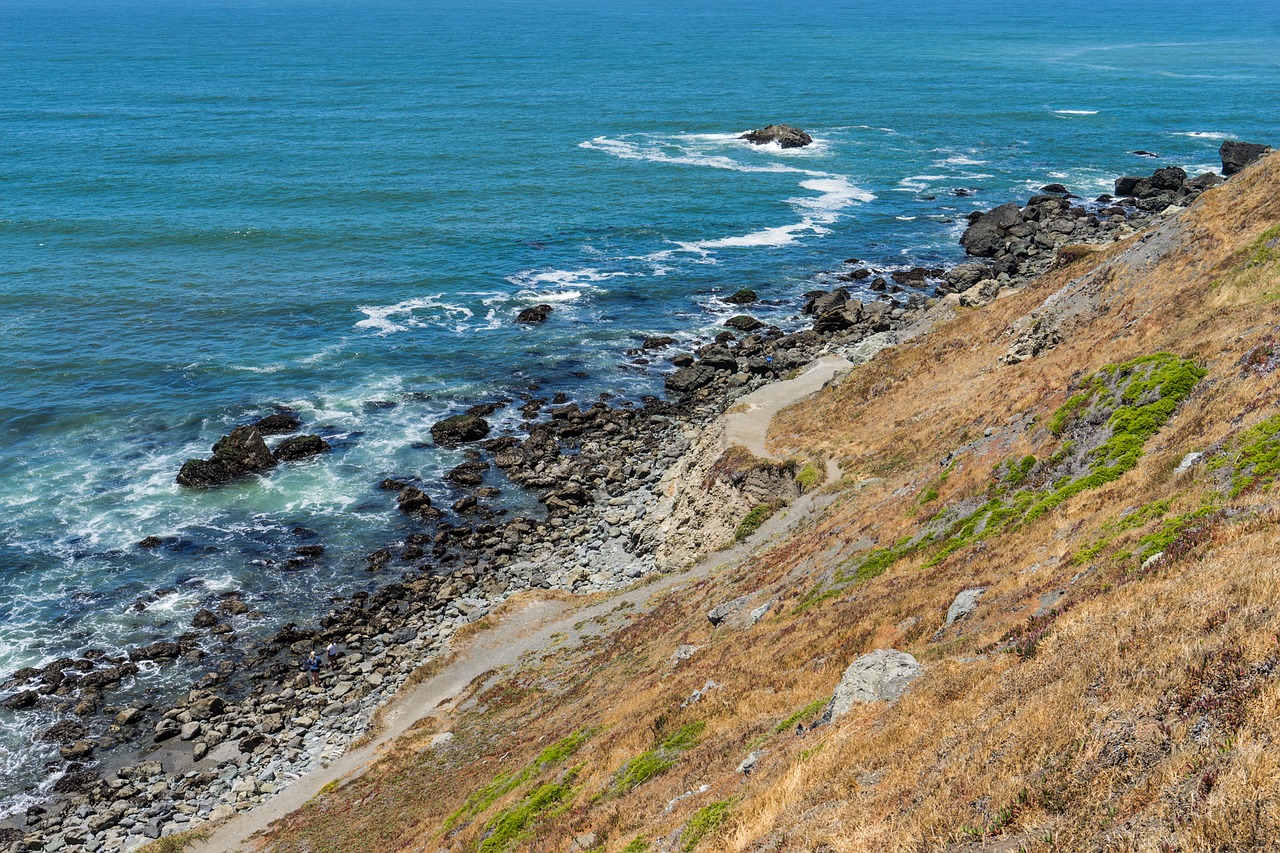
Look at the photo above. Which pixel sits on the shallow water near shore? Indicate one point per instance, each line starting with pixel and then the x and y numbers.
pixel 213 209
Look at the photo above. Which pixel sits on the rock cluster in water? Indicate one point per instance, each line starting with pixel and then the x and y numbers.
pixel 784 134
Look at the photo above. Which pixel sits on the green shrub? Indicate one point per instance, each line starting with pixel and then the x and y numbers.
pixel 704 822
pixel 752 521
pixel 504 783
pixel 659 759
pixel 803 714
pixel 1256 461
pixel 810 475
pixel 517 822
pixel 637 845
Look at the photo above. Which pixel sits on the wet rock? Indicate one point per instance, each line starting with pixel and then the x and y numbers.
pixel 784 134
pixel 745 296
pixel 690 379
pixel 301 447
pixel 468 473
pixel 162 650
pixel 744 323
pixel 412 499
pixel 987 234
pixel 150 542
pixel 718 358
pixel 1054 188
pixel 459 429
pixel 1168 178
pixel 22 700
pixel 238 454
pixel 63 731
pixel 281 423
pixel 204 619
pixel 534 314
pixel 1236 155
pixel 657 342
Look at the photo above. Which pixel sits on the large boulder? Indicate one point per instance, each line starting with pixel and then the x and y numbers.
pixel 1168 178
pixel 784 134
pixel 718 358
pixel 459 429
pixel 986 235
pixel 301 447
pixel 1237 155
pixel 879 676
pixel 690 379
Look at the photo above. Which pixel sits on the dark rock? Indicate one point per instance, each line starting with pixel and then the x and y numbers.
pixel 1128 185
pixel 63 731
pixel 206 708
pixel 1236 155
pixel 745 296
pixel 466 503
pixel 718 358
pixel 690 378
pixel 19 701
pixel 534 314
pixel 308 551
pixel 412 499
pixel 204 619
pixel 162 650
pixel 1208 180
pixel 468 473
pixel 1142 153
pixel 682 360
pixel 821 302
pixel 77 751
pixel 281 423
pixel 784 134
pixel 1054 188
pixel 459 429
pixel 657 342
pixel 744 323
pixel 241 452
pixel 151 542
pixel 986 235
pixel 301 447
pixel 483 410
pixel 392 485
pixel 840 318
pixel 1168 178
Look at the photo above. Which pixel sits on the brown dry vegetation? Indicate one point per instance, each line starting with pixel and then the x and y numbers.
pixel 1141 713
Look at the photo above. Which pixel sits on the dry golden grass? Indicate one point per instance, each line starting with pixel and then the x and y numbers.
pixel 1143 717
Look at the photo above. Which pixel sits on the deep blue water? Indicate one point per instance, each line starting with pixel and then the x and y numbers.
pixel 211 208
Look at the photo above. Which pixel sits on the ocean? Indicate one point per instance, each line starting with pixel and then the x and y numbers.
pixel 211 210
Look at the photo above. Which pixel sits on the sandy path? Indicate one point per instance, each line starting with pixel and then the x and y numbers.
pixel 747 422
pixel 529 627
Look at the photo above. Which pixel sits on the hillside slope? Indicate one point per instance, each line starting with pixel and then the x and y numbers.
pixel 1113 685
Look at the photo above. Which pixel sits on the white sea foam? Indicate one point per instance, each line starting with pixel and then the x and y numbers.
pixel 1200 134
pixel 655 153
pixel 379 317
pixel 1076 112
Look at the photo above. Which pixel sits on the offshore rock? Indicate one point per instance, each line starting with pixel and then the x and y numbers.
pixel 534 314
pixel 236 455
pixel 784 134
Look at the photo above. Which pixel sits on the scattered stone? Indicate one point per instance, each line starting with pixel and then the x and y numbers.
pixel 744 323
pixel 745 296
pixel 281 423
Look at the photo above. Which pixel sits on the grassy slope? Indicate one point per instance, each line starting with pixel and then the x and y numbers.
pixel 1141 713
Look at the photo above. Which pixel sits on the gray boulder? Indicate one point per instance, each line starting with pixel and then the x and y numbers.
pixel 965 603
pixel 690 379
pixel 879 676
pixel 1236 155
pixel 986 235
pixel 235 455
pixel 784 134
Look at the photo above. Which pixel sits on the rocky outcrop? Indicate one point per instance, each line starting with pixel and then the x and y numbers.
pixel 784 134
pixel 745 296
pixel 236 455
pixel 1236 155
pixel 459 429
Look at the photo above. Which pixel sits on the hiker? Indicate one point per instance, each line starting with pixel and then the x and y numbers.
pixel 332 654
pixel 313 669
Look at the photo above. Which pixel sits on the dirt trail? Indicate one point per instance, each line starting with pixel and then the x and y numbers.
pixel 536 624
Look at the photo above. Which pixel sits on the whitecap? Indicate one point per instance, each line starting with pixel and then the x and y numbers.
pixel 379 317
pixel 1076 112
pixel 905 218
pixel 1200 134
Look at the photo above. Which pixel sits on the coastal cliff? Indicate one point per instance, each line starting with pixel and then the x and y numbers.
pixel 1069 550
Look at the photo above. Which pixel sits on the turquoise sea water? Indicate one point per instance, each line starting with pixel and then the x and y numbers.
pixel 208 209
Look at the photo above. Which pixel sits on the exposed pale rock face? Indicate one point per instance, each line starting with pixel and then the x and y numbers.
pixel 879 676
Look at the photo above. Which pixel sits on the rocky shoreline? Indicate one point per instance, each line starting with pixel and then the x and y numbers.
pixel 136 772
